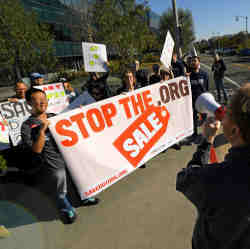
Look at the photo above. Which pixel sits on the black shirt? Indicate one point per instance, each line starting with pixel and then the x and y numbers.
pixel 219 69
pixel 155 78
pixel 199 83
pixel 100 83
pixel 50 155
pixel 142 77
pixel 177 68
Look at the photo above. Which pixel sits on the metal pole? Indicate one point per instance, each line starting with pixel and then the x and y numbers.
pixel 246 24
pixel 177 30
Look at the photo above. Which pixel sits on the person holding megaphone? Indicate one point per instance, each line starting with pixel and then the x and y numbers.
pixel 221 191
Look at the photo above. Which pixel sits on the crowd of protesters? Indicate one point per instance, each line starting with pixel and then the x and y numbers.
pixel 200 182
pixel 47 166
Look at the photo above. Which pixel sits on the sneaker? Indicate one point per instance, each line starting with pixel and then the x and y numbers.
pixel 68 216
pixel 90 201
pixel 64 204
pixel 67 212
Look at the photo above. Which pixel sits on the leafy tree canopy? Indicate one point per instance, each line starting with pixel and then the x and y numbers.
pixel 122 26
pixel 25 44
pixel 167 22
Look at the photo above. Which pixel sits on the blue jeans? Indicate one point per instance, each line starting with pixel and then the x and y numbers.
pixel 220 86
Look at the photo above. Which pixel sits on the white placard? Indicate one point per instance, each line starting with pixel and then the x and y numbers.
pixel 57 98
pixel 166 56
pixel 95 57
pixel 15 113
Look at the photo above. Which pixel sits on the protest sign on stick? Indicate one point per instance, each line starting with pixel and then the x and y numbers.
pixel 166 56
pixel 107 140
pixel 95 57
pixel 15 113
pixel 57 98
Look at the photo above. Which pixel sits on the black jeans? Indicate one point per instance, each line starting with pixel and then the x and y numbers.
pixel 220 86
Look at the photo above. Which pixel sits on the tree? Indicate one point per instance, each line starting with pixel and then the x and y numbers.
pixel 122 25
pixel 25 44
pixel 167 22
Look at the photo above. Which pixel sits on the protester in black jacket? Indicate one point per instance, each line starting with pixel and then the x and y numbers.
pixel 177 66
pixel 221 191
pixel 95 80
pixel 155 77
pixel 219 69
pixel 199 84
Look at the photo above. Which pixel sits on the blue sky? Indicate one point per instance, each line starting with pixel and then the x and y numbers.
pixel 211 16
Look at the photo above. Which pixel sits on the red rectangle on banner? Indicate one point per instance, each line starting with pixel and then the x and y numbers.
pixel 135 142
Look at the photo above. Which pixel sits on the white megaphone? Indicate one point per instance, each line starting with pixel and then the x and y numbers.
pixel 206 103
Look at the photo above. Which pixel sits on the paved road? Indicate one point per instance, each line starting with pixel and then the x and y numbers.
pixel 238 68
pixel 143 211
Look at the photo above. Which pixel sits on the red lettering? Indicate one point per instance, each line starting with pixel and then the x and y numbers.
pixel 100 125
pixel 109 111
pixel 68 133
pixel 78 118
pixel 125 104
pixel 147 99
pixel 137 103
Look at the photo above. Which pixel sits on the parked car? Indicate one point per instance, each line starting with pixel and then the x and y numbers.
pixel 229 51
pixel 244 52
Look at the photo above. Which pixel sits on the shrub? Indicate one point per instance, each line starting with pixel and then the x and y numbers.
pixel 150 58
pixel 115 66
pixel 3 164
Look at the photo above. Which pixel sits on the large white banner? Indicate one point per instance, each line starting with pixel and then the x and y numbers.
pixel 15 113
pixel 107 140
pixel 95 57
pixel 166 56
pixel 57 98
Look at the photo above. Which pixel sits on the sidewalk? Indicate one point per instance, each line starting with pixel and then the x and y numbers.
pixel 143 211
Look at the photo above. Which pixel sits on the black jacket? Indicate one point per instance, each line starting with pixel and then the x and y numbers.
pixel 177 68
pixel 142 77
pixel 199 83
pixel 154 78
pixel 219 69
pixel 99 83
pixel 221 194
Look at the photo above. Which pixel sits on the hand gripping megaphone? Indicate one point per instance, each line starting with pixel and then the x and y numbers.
pixel 206 103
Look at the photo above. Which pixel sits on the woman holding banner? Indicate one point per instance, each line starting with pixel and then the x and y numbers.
pixel 128 82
